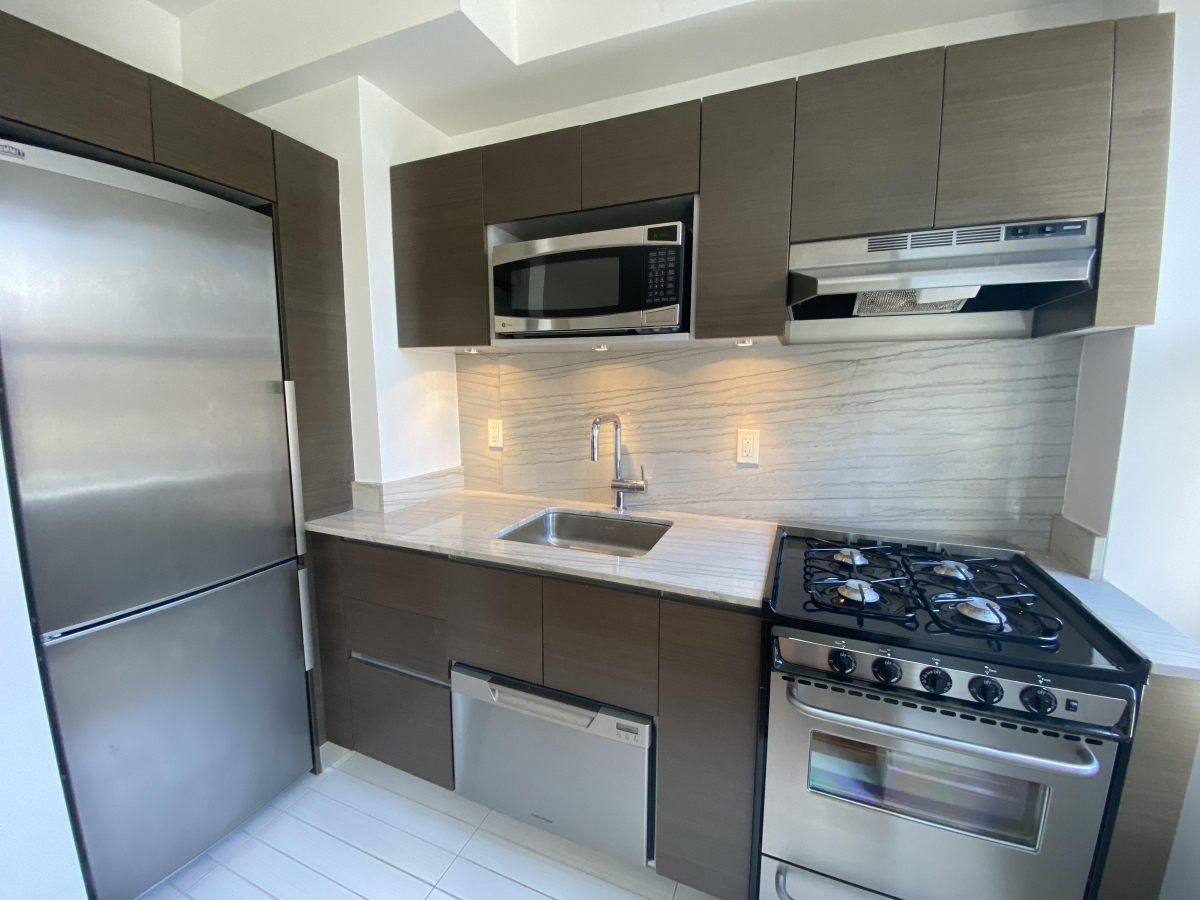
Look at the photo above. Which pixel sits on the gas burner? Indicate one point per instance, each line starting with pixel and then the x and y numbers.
pixel 981 610
pixel 858 591
pixel 952 568
pixel 851 556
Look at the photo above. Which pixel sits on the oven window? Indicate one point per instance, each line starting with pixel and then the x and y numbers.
pixel 965 799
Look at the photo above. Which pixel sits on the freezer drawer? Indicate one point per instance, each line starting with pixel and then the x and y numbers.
pixel 569 766
pixel 178 724
pixel 779 881
pixel 143 379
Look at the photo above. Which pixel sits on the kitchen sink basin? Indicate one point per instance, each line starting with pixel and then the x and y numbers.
pixel 616 535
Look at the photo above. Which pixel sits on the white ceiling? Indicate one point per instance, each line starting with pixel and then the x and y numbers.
pixel 453 75
pixel 180 7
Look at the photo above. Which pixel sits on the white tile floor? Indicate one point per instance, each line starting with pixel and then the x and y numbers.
pixel 362 830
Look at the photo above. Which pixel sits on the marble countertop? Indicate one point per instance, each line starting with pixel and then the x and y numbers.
pixel 1170 651
pixel 722 560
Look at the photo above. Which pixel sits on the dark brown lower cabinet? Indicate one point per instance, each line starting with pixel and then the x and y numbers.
pixel 402 721
pixel 324 561
pixel 399 638
pixel 708 705
pixel 601 644
pixel 495 619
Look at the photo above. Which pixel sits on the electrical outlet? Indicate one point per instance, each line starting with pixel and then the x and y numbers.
pixel 747 447
pixel 495 434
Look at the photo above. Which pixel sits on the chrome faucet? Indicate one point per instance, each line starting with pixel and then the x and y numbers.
pixel 619 484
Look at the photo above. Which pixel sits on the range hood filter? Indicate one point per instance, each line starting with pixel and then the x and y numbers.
pixel 913 301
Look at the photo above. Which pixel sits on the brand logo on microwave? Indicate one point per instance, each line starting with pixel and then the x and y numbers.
pixel 11 151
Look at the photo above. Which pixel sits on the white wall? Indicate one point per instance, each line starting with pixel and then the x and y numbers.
pixel 134 31
pixel 404 403
pixel 38 860
pixel 1157 497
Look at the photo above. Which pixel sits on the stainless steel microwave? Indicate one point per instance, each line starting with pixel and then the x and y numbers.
pixel 623 281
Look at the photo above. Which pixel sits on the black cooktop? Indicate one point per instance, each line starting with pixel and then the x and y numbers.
pixel 993 608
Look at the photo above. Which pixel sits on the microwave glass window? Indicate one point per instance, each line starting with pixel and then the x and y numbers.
pixel 963 798
pixel 563 286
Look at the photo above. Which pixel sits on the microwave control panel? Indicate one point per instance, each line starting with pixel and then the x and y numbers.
pixel 664 274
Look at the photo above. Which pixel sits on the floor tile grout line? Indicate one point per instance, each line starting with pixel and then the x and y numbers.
pixel 397 827
pixel 235 874
pixel 528 887
pixel 311 869
pixel 367 852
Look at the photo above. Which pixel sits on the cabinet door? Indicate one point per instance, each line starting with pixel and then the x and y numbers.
pixel 400 579
pixel 708 706
pixel 867 147
pixel 496 621
pixel 50 82
pixel 642 156
pixel 745 211
pixel 308 235
pixel 1025 126
pixel 406 640
pixel 403 721
pixel 324 560
pixel 532 176
pixel 201 137
pixel 601 644
pixel 440 251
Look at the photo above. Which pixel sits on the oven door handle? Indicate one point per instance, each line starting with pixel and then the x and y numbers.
pixel 781 890
pixel 1086 766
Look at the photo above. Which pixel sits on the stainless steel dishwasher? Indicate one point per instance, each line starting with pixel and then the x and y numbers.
pixel 570 766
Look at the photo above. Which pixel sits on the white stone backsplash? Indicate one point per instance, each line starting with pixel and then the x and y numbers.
pixel 969 439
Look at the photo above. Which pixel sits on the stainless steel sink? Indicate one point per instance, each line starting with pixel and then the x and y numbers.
pixel 616 535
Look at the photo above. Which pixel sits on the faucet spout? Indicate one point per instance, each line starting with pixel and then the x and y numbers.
pixel 619 484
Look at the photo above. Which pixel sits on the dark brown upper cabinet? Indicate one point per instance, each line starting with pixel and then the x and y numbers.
pixel 642 156
pixel 1025 126
pixel 203 138
pixel 308 235
pixel 601 644
pixel 532 176
pixel 440 251
pixel 708 702
pixel 746 142
pixel 58 85
pixel 495 619
pixel 867 147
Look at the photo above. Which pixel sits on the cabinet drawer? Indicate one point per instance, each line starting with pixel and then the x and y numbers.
pixel 396 578
pixel 496 621
pixel 201 137
pixel 601 644
pixel 401 638
pixel 402 721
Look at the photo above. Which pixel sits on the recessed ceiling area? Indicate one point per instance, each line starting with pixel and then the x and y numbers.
pixel 466 65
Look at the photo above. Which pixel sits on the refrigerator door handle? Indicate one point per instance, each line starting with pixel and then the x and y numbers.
pixel 293 438
pixel 305 618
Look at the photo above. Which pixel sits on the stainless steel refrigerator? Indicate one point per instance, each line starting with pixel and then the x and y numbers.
pixel 147 444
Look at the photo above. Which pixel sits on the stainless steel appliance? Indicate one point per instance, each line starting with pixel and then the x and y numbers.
pixel 624 280
pixel 992 275
pixel 949 717
pixel 146 434
pixel 572 767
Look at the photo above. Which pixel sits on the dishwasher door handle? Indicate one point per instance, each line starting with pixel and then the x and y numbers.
pixel 542 707
pixel 1086 766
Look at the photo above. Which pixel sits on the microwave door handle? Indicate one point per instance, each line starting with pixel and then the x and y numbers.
pixel 1086 766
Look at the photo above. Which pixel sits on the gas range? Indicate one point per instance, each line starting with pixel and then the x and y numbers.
pixel 924 692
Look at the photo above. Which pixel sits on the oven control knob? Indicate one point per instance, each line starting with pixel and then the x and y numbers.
pixel 842 661
pixel 1039 701
pixel 986 690
pixel 887 670
pixel 936 681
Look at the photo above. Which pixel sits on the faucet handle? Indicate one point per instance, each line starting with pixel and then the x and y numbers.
pixel 643 479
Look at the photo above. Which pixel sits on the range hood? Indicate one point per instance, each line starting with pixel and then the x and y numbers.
pixel 942 271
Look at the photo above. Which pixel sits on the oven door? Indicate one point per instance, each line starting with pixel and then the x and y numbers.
pixel 921 804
